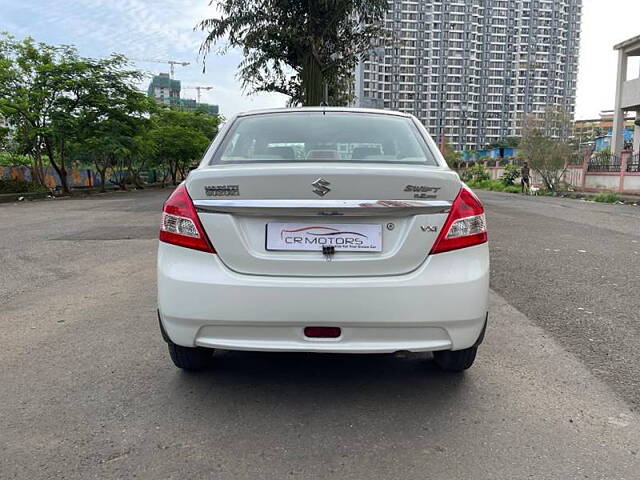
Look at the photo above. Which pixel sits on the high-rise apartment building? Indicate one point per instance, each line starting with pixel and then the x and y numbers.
pixel 470 69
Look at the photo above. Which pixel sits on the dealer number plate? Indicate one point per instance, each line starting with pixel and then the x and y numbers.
pixel 349 237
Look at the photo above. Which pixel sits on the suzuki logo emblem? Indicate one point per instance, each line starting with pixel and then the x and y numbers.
pixel 321 187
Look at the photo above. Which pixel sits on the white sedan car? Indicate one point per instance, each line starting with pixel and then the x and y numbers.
pixel 330 230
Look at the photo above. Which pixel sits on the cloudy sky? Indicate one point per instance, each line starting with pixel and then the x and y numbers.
pixel 152 29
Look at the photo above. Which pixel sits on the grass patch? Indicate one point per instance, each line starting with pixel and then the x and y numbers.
pixel 499 186
pixel 494 186
pixel 607 198
pixel 14 186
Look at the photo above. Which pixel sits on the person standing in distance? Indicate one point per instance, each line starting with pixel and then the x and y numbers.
pixel 524 174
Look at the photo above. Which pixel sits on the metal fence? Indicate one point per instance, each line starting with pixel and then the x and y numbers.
pixel 633 164
pixel 604 163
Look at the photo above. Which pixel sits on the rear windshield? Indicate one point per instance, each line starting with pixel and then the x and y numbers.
pixel 323 137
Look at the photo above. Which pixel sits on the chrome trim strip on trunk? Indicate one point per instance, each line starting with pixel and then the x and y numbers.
pixel 323 207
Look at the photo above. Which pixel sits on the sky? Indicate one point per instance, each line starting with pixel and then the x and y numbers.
pixel 164 30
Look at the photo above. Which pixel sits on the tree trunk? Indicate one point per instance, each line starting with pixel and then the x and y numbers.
pixel 181 172
pixel 63 170
pixel 135 174
pixel 312 81
pixel 123 179
pixel 173 170
pixel 102 173
pixel 165 176
pixel 60 170
pixel 37 170
pixel 135 178
pixel 103 179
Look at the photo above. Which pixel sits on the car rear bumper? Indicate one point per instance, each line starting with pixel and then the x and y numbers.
pixel 441 305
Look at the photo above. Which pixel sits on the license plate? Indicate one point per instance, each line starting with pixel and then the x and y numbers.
pixel 349 237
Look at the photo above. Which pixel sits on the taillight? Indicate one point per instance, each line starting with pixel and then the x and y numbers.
pixel 466 224
pixel 180 223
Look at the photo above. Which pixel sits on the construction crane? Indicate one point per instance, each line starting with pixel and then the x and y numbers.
pixel 197 88
pixel 172 63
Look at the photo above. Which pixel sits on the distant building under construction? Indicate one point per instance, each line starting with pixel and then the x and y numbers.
pixel 166 91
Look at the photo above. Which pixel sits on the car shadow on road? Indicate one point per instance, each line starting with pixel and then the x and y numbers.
pixel 289 382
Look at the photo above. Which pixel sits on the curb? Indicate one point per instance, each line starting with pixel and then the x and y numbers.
pixel 13 197
pixel 578 195
pixel 75 193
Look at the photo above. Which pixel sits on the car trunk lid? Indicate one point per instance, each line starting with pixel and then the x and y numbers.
pixel 250 210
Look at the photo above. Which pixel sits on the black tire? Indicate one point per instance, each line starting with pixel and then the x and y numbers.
pixel 192 359
pixel 456 360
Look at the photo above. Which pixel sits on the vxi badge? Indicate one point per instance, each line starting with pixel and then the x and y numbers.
pixel 422 191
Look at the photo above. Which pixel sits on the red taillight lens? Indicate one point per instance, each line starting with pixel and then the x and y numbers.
pixel 180 223
pixel 322 332
pixel 465 226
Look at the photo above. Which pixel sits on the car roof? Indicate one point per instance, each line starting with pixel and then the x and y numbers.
pixel 323 109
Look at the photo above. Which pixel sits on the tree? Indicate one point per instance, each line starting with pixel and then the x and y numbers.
pixel 113 129
pixel 450 155
pixel 545 145
pixel 294 46
pixel 180 138
pixel 48 90
pixel 27 142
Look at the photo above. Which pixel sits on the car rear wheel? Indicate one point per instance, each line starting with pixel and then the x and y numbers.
pixel 455 361
pixel 187 358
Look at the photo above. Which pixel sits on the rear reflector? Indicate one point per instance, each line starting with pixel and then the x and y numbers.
pixel 180 223
pixel 465 226
pixel 322 332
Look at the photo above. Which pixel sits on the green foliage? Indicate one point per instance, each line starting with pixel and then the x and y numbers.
pixel 512 189
pixel 511 172
pixel 69 110
pixel 602 157
pixel 494 186
pixel 607 198
pixel 112 135
pixel 451 156
pixel 180 138
pixel 15 186
pixel 293 46
pixel 476 173
pixel 54 96
pixel 8 159
pixel 546 147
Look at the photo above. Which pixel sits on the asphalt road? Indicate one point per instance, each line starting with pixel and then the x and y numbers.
pixel 87 389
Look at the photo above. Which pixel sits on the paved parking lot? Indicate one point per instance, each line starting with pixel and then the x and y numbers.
pixel 88 391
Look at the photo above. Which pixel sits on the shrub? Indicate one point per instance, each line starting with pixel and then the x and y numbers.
pixel 511 172
pixel 15 186
pixel 12 160
pixel 512 189
pixel 477 173
pixel 494 186
pixel 606 198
